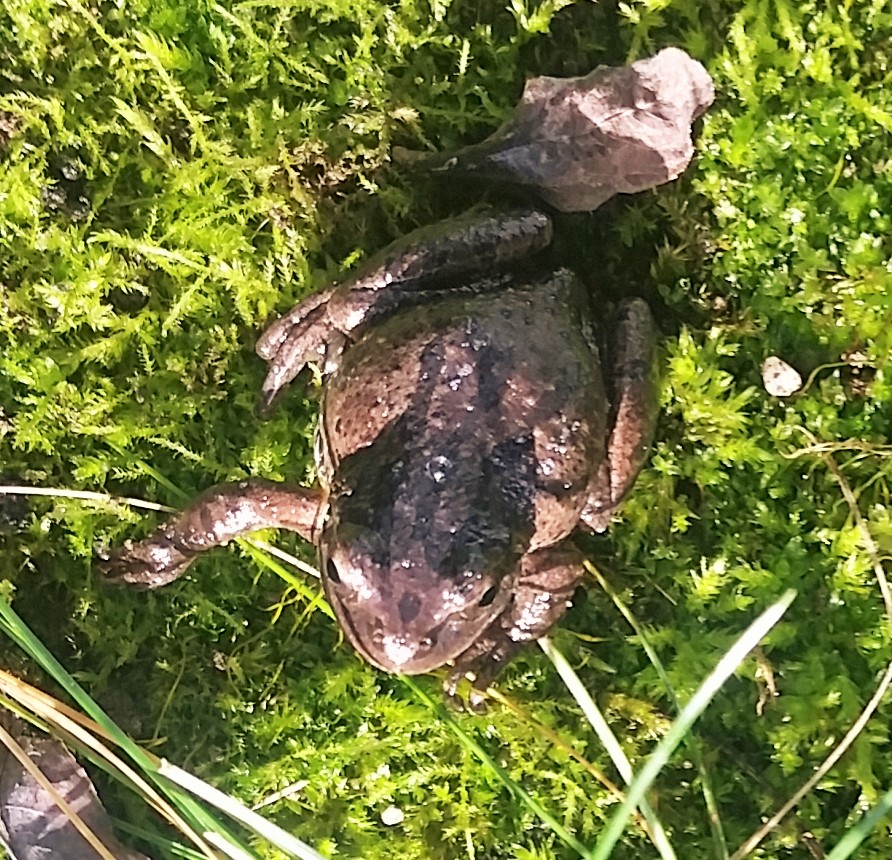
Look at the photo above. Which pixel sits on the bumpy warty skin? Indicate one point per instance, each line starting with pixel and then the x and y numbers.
pixel 474 447
pixel 468 427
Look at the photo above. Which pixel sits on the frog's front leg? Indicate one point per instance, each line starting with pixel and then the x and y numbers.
pixel 219 514
pixel 424 261
pixel 541 595
pixel 634 401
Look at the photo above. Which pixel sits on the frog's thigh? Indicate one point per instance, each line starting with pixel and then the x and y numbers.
pixel 635 402
pixel 218 515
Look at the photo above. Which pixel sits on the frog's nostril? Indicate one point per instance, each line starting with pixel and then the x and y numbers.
pixel 409 607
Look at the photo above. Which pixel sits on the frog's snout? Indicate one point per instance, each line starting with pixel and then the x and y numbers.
pixel 404 654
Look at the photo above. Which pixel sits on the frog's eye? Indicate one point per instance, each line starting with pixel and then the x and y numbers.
pixel 489 596
pixel 331 570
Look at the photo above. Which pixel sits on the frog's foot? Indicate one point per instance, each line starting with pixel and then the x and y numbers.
pixel 540 597
pixel 306 334
pixel 481 664
pixel 150 563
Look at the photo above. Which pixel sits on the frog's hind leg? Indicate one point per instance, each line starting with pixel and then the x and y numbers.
pixel 634 404
pixel 218 515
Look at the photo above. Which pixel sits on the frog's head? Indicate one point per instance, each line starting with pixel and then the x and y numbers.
pixel 410 605
pixel 422 541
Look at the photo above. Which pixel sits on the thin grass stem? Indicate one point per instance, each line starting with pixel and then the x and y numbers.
pixel 689 714
pixel 82 495
pixel 515 788
pixel 239 812
pixel 608 741
pixel 847 846
pixel 715 823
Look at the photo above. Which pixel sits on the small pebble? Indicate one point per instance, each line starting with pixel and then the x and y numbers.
pixel 779 379
pixel 392 816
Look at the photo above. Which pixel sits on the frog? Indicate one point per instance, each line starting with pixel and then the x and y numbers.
pixel 476 414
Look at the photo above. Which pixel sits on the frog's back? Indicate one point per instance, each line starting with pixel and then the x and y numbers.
pixel 490 398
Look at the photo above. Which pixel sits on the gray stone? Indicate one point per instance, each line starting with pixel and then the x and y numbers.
pixel 580 141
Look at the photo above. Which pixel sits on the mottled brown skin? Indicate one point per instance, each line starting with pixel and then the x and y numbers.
pixel 468 427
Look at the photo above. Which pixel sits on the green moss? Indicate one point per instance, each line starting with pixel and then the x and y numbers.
pixel 173 175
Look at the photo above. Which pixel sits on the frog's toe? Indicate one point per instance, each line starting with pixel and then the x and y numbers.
pixel 476 700
pixel 313 340
pixel 476 703
pixel 151 563
pixel 450 691
pixel 454 702
pixel 272 339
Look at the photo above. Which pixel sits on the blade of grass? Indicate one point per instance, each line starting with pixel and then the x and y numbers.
pixel 45 706
pixel 299 584
pixel 860 831
pixel 701 698
pixel 870 545
pixel 835 755
pixel 231 851
pixel 247 817
pixel 567 748
pixel 517 790
pixel 715 824
pixel 75 734
pixel 78 732
pixel 82 495
pixel 281 555
pixel 824 451
pixel 152 472
pixel 167 845
pixel 608 741
pixel 17 630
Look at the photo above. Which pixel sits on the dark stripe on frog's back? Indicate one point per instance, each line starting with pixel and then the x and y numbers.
pixel 485 480
pixel 402 357
pixel 386 357
pixel 381 371
pixel 485 487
